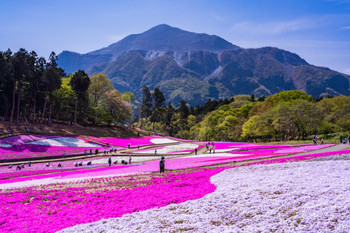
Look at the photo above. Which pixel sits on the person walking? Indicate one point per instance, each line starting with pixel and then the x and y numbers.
pixel 161 165
pixel 129 159
pixel 109 161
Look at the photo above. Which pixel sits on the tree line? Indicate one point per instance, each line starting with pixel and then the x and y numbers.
pixel 33 89
pixel 286 115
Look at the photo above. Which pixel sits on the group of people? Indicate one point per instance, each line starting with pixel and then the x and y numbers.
pixel 112 149
pixel 116 162
pixel 21 166
pixel 210 146
pixel 10 131
pixel 344 140
pixel 315 138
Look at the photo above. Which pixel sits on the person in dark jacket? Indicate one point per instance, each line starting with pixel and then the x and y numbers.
pixel 161 165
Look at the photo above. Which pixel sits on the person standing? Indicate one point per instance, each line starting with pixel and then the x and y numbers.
pixel 109 161
pixel 129 159
pixel 161 165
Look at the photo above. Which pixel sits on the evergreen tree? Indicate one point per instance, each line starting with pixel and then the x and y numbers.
pixel 146 107
pixel 183 110
pixel 158 98
pixel 80 83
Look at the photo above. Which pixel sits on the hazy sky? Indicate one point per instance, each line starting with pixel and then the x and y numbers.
pixel 317 30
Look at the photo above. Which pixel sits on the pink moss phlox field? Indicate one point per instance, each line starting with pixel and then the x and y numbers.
pixel 8 175
pixel 23 139
pixel 124 142
pixel 49 210
pixel 147 167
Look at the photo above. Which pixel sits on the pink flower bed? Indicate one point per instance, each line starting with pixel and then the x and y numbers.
pixel 49 210
pixel 124 142
pixel 23 139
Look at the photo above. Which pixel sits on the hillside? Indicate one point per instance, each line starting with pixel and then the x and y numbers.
pixel 195 67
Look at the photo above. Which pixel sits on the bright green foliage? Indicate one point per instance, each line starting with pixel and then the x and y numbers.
pixel 287 96
pixel 99 86
pixel 336 113
pixel 108 105
pixel 225 123
pixel 64 101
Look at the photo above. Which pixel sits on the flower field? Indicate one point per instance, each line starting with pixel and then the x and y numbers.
pixel 133 141
pixel 54 207
pixel 283 188
pixel 34 146
pixel 289 197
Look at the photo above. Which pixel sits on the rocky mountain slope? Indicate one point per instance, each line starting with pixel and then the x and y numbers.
pixel 195 67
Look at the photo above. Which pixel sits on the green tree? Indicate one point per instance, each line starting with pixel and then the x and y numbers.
pixel 158 98
pixel 20 71
pixel 5 81
pixel 79 82
pixel 52 82
pixel 146 107
pixel 99 86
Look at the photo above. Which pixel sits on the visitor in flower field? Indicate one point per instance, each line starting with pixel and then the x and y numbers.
pixel 29 164
pixel 129 159
pixel 129 145
pixel 161 165
pixel 109 161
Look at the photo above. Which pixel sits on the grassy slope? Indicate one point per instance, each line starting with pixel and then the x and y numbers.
pixel 68 130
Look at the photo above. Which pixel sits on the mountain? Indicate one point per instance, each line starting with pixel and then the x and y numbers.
pixel 161 38
pixel 195 67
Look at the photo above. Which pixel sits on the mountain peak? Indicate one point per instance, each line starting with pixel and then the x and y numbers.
pixel 167 38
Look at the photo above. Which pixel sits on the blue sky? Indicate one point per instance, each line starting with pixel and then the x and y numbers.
pixel 317 30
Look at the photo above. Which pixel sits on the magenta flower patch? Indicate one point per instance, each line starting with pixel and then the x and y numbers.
pixel 51 208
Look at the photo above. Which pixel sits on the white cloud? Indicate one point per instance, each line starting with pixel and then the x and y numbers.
pixel 273 28
pixel 346 28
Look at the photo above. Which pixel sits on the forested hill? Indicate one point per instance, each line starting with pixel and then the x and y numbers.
pixel 286 115
pixel 196 67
